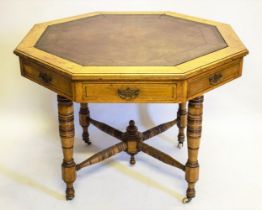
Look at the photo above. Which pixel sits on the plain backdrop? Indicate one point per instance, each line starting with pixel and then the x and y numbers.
pixel 30 151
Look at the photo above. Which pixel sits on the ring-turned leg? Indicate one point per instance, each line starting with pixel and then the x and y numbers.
pixel 84 121
pixel 194 121
pixel 66 130
pixel 181 123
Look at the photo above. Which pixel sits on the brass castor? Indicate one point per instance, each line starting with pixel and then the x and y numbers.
pixel 87 141
pixel 180 145
pixel 186 200
pixel 69 197
pixel 70 194
pixel 132 160
pixel 86 138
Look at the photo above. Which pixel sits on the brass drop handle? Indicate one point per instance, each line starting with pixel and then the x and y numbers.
pixel 45 77
pixel 128 93
pixel 214 79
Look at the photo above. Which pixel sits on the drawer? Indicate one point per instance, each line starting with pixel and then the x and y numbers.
pixel 46 78
pixel 126 92
pixel 214 78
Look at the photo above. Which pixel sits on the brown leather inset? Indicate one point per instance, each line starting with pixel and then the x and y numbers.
pixel 130 40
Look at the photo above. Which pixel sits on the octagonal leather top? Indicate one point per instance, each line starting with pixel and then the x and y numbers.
pixel 130 40
pixel 131 46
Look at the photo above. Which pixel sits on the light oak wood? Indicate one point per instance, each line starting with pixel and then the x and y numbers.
pixel 154 72
pixel 160 156
pixel 194 120
pixel 178 83
pixel 84 122
pixel 104 154
pixel 46 77
pixel 66 130
pixel 134 141
pixel 158 129
pixel 153 92
pixel 234 50
pixel 181 123
pixel 147 92
pixel 214 78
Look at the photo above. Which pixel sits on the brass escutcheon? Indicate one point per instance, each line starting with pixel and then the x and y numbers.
pixel 128 93
pixel 214 79
pixel 45 77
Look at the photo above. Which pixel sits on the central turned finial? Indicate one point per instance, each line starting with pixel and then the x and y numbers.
pixel 131 129
pixel 132 123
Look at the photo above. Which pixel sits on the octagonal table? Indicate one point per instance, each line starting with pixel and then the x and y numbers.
pixel 135 57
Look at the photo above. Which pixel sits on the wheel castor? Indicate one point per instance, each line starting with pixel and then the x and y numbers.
pixel 87 141
pixel 180 145
pixel 132 160
pixel 70 193
pixel 186 200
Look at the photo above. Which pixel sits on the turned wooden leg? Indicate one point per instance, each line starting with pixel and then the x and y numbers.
pixel 84 121
pixel 181 123
pixel 66 130
pixel 194 120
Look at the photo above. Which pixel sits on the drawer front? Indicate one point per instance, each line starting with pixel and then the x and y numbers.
pixel 46 78
pixel 207 81
pixel 126 92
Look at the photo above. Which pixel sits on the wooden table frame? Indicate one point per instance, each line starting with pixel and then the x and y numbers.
pixel 132 141
pixel 183 83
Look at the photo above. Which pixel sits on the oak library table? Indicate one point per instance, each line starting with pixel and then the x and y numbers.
pixel 131 57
